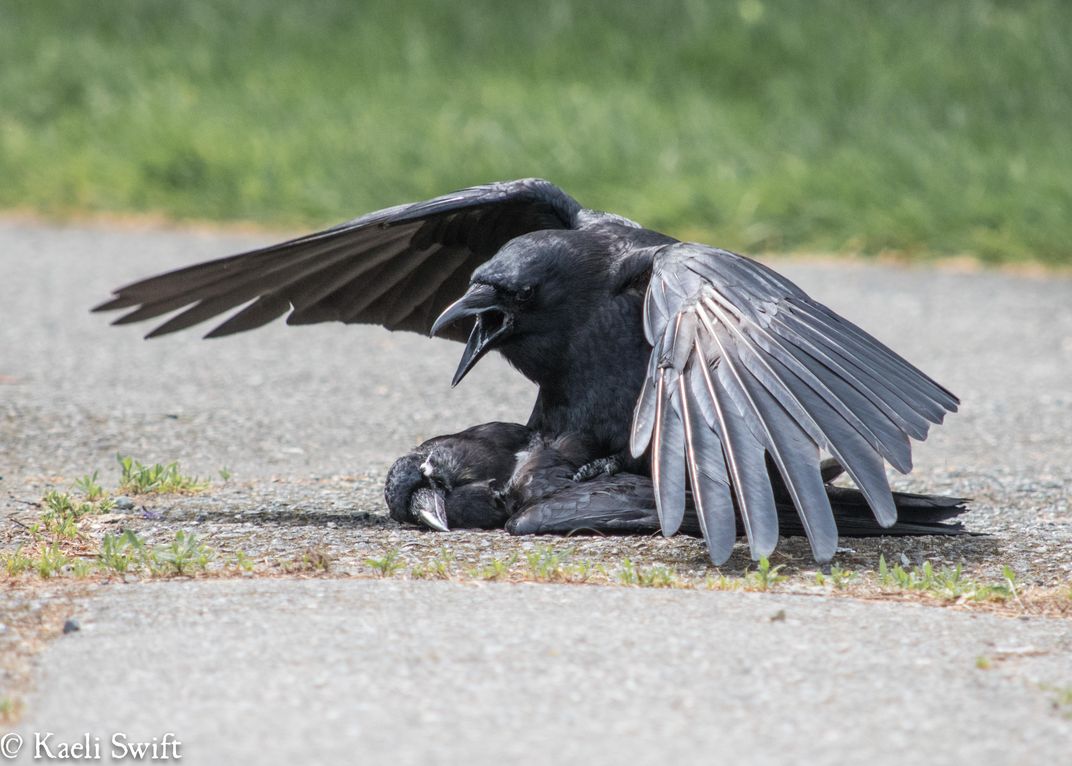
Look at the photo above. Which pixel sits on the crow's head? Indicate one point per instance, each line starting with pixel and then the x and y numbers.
pixel 528 297
pixel 417 486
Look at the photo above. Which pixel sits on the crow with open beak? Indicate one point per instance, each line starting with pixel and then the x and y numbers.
pixel 698 367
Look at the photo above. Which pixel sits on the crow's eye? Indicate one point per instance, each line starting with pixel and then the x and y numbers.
pixel 525 293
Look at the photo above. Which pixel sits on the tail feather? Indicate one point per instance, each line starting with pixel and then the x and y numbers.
pixel 625 504
pixel 916 514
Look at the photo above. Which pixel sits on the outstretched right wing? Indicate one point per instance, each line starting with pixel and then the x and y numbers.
pixel 398 267
pixel 747 372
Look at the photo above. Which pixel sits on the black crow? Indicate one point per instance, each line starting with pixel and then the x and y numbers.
pixel 694 364
pixel 530 487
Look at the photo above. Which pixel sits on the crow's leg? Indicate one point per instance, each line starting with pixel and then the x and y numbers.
pixel 604 466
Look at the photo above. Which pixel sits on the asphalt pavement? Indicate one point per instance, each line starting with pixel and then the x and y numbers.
pixel 441 673
pixel 290 670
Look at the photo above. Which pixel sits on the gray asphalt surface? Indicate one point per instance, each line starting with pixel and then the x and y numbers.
pixel 308 419
pixel 430 673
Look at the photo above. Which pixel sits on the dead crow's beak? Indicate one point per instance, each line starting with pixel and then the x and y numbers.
pixel 430 506
pixel 492 323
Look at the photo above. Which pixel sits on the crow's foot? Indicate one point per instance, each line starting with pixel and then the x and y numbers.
pixel 605 466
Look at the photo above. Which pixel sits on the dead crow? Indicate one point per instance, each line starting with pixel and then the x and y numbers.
pixel 503 474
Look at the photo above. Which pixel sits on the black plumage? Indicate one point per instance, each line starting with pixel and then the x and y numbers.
pixel 700 367
pixel 529 486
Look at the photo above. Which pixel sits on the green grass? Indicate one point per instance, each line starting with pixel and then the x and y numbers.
pixel 758 125
pixel 946 582
pixel 388 564
pixel 183 555
pixel 10 709
pixel 63 512
pixel 139 478
pixel 16 562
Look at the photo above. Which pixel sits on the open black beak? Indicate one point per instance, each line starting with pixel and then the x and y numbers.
pixel 492 323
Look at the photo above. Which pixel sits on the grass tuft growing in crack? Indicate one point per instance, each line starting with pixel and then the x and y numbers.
pixel 119 553
pixel 388 564
pixel 51 561
pixel 497 569
pixel 948 583
pixel 63 512
pixel 656 576
pixel 89 485
pixel 765 577
pixel 140 479
pixel 442 567
pixel 838 577
pixel 10 709
pixel 16 562
pixel 183 555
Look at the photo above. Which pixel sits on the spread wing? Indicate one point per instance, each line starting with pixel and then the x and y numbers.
pixel 398 267
pixel 749 374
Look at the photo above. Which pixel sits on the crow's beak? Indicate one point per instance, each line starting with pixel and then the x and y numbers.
pixel 492 323
pixel 431 508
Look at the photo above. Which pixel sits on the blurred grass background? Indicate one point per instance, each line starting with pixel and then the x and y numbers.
pixel 921 127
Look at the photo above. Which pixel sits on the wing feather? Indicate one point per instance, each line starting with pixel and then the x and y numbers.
pixel 795 454
pixel 753 369
pixel 668 462
pixel 711 490
pixel 400 266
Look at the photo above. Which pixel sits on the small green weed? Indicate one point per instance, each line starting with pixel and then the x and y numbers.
pixel 81 569
pixel 51 561
pixel 497 569
pixel 656 576
pixel 16 562
pixel 440 568
pixel 140 479
pixel 946 582
pixel 388 564
pixel 62 512
pixel 723 582
pixel 546 564
pixel 242 561
pixel 120 552
pixel 10 709
pixel 181 556
pixel 838 577
pixel 89 485
pixel 765 577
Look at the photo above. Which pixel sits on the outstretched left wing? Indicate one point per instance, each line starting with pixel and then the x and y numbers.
pixel 748 374
pixel 398 267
